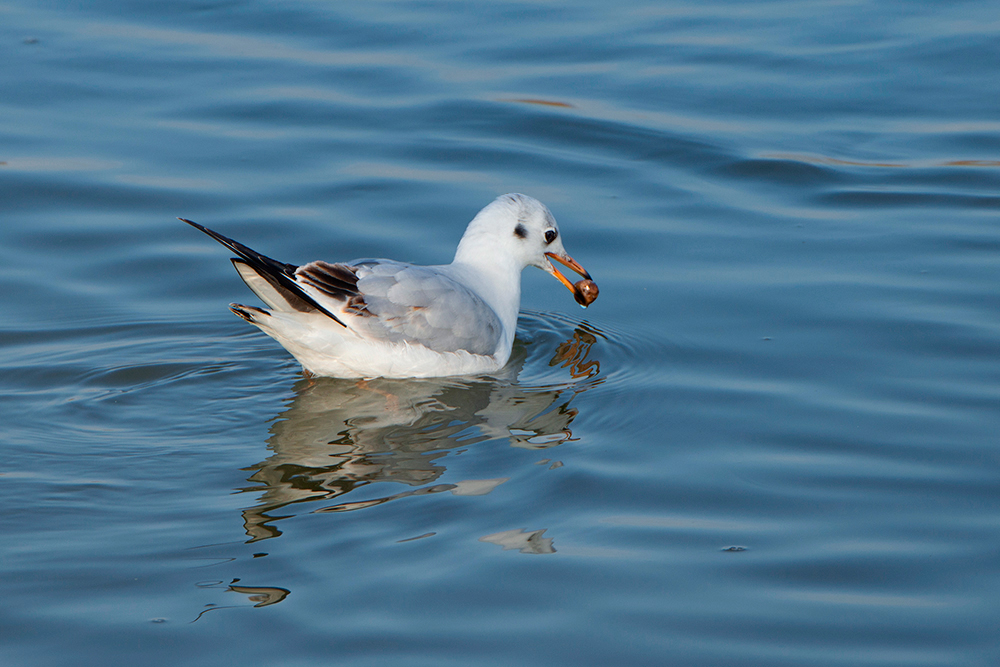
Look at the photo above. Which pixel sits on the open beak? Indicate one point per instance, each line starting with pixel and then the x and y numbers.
pixel 571 263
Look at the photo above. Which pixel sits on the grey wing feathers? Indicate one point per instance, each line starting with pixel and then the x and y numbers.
pixel 421 305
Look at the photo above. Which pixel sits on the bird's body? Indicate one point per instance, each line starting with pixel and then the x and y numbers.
pixel 383 318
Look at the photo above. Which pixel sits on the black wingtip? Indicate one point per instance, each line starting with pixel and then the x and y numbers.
pixel 242 250
pixel 283 274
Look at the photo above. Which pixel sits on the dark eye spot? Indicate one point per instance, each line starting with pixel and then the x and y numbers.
pixel 520 232
pixel 550 235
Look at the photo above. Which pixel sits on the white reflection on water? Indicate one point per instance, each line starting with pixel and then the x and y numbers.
pixel 525 541
pixel 337 436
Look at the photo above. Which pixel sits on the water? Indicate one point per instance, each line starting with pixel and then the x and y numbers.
pixel 771 441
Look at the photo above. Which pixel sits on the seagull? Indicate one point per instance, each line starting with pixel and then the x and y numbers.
pixel 382 318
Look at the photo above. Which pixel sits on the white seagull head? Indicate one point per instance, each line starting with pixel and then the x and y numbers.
pixel 520 229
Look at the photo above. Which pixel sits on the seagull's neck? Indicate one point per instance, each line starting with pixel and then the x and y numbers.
pixel 498 283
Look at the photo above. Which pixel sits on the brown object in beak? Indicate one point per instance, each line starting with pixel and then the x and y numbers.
pixel 585 292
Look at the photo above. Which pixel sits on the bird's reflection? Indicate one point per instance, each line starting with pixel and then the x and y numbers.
pixel 261 596
pixel 339 435
pixel 525 541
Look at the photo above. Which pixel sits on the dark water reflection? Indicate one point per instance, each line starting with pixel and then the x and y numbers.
pixel 338 436
pixel 259 596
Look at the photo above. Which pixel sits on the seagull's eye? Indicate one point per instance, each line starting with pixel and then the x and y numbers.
pixel 550 235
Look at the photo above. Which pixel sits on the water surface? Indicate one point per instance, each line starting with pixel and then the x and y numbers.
pixel 771 441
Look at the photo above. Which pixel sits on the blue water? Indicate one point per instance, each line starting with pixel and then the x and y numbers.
pixel 771 441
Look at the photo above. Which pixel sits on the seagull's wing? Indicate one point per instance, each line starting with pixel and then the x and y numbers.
pixel 399 302
pixel 380 300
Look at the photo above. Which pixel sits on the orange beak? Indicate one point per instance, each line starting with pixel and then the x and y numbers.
pixel 571 263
